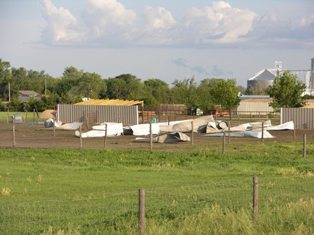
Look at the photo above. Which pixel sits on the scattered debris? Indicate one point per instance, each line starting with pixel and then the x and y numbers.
pixel 68 126
pixel 113 129
pixel 173 137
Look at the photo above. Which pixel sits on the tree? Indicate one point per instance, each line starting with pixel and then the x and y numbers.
pixel 124 86
pixel 185 92
pixel 5 77
pixel 286 91
pixel 249 90
pixel 158 89
pixel 203 91
pixel 90 85
pixel 225 93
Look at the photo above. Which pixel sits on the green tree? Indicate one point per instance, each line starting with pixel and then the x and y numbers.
pixel 185 92
pixel 249 90
pixel 203 91
pixel 5 77
pixel 225 93
pixel 286 91
pixel 124 86
pixel 159 90
pixel 90 85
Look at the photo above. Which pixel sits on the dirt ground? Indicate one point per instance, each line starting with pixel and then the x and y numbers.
pixel 30 135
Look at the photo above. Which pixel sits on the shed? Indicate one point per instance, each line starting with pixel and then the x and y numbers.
pixel 254 104
pixel 98 111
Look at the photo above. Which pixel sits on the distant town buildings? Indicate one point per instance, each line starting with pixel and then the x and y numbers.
pixel 259 83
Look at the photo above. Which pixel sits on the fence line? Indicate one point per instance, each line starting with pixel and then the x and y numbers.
pixel 160 201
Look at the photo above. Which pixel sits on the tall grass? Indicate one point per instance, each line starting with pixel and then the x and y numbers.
pixel 201 192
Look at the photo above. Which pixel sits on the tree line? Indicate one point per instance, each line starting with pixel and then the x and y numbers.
pixel 74 84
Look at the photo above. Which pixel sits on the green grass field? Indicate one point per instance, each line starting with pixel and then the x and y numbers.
pixel 49 191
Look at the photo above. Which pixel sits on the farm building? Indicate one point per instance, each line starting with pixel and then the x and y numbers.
pixel 264 78
pixel 98 111
pixel 261 80
pixel 303 118
pixel 26 95
pixel 254 104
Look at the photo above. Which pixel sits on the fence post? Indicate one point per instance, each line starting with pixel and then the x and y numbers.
pixel 33 116
pixel 168 120
pixel 223 141
pixel 151 136
pixel 262 131
pixel 54 127
pixel 255 197
pixel 192 132
pixel 229 124
pixel 304 145
pixel 106 133
pixel 81 139
pixel 141 211
pixel 13 132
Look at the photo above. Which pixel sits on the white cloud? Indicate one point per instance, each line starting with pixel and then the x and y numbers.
pixel 157 28
pixel 218 23
pixel 107 17
pixel 109 22
pixel 159 18
pixel 307 21
pixel 61 24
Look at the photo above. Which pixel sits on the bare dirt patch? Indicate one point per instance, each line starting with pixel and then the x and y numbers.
pixel 29 135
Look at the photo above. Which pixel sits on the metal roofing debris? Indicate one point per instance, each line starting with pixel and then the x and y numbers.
pixel 114 102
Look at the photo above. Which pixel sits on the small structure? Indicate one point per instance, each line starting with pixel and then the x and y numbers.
pixel 99 111
pixel 302 117
pixel 26 95
pixel 254 104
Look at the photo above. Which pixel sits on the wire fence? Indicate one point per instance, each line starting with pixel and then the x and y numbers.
pixel 112 211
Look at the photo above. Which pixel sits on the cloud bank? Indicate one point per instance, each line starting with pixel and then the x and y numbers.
pixel 109 22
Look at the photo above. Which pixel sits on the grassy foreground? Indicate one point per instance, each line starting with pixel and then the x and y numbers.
pixel 52 191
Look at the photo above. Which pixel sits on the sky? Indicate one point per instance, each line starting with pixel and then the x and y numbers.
pixel 168 40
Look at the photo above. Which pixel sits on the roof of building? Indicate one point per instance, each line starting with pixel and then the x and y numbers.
pixel 256 100
pixel 28 93
pixel 243 97
pixel 114 102
pixel 265 74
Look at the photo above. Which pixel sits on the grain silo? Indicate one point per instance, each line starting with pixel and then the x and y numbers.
pixel 264 78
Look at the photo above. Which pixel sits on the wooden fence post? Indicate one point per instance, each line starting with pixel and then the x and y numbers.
pixel 141 211
pixel 81 139
pixel 192 132
pixel 262 131
pixel 255 197
pixel 106 133
pixel 151 136
pixel 33 116
pixel 229 124
pixel 294 134
pixel 13 132
pixel 304 145
pixel 223 142
pixel 54 127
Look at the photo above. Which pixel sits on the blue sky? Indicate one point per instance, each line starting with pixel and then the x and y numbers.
pixel 162 39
